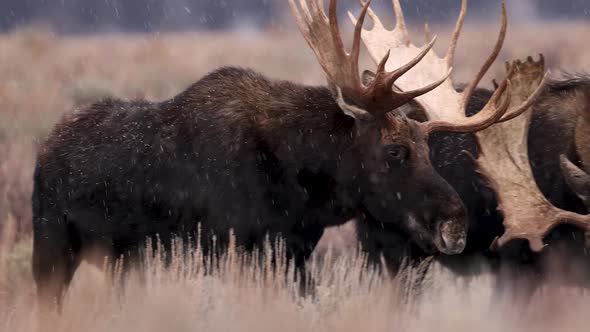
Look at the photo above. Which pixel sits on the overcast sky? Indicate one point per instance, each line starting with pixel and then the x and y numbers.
pixel 156 15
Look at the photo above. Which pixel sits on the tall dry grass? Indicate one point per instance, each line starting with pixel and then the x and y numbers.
pixel 44 75
pixel 242 296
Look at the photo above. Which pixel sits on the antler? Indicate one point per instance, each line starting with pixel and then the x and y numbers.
pixel 444 105
pixel 504 161
pixel 323 36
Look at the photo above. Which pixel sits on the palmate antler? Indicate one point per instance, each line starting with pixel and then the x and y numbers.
pixel 323 36
pixel 504 161
pixel 444 106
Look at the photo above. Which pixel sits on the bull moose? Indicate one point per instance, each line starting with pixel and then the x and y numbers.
pixel 511 179
pixel 238 152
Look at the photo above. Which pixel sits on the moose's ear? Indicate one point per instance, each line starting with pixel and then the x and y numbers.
pixel 367 77
pixel 577 179
pixel 365 122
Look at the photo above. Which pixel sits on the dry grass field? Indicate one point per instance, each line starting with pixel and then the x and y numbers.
pixel 44 75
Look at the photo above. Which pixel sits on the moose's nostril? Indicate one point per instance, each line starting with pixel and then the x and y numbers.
pixel 453 238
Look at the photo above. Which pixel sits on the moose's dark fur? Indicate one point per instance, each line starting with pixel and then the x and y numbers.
pixel 552 133
pixel 234 151
pixel 581 103
pixel 578 176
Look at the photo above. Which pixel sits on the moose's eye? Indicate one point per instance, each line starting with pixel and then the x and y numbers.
pixel 398 153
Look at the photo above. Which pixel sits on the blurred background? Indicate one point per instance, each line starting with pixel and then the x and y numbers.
pixel 84 16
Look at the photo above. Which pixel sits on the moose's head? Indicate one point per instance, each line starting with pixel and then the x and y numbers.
pixel 394 178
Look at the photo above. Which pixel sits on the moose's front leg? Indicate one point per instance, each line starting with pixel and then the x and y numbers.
pixel 299 246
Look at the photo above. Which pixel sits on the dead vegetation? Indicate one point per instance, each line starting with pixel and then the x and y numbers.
pixel 241 296
pixel 46 75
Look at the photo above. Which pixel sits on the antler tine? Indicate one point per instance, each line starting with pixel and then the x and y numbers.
pixel 303 25
pixel 450 57
pixel 322 34
pixel 376 20
pixel 486 66
pixel 384 81
pixel 485 118
pixel 322 9
pixel 400 21
pixel 305 9
pixel 496 112
pixel 356 44
pixel 394 75
pixel 314 7
pixel 528 103
pixel 409 95
pixel 559 217
pixel 383 63
pixel 334 30
pixel 427 35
